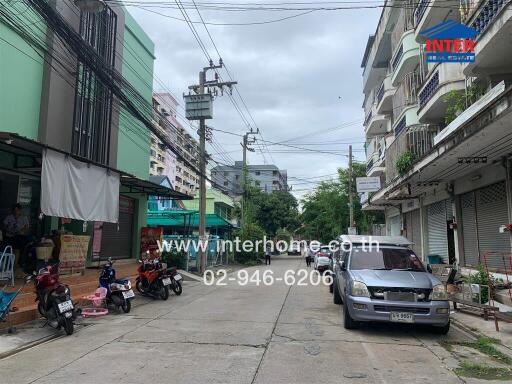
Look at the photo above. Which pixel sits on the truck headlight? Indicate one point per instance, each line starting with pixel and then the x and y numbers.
pixel 359 289
pixel 439 292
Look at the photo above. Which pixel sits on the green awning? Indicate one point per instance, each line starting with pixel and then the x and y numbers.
pixel 181 218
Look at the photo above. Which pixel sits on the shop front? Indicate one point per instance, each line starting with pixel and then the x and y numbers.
pixel 482 212
pixel 85 211
pixel 440 234
pixel 412 224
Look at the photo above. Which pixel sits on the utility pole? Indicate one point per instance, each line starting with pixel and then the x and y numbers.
pixel 245 145
pixel 199 107
pixel 350 195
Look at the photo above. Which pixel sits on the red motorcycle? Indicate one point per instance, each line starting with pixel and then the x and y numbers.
pixel 153 279
pixel 54 299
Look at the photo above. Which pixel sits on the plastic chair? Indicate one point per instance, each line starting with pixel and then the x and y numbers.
pixel 99 303
pixel 7 260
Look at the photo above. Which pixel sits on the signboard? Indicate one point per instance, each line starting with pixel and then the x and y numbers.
pixel 198 106
pixel 367 184
pixel 73 252
pixel 149 239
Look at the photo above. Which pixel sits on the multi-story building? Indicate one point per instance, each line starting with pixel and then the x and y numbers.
pixel 162 160
pixel 438 134
pixel 268 178
pixel 61 123
pixel 187 178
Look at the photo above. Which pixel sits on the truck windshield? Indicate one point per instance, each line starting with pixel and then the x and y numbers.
pixel 385 259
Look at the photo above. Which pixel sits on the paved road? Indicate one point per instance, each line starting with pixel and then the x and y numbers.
pixel 235 334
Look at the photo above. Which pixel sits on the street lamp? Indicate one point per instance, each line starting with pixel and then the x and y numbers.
pixel 90 6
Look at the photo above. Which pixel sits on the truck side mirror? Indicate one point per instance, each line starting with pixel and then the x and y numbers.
pixel 429 268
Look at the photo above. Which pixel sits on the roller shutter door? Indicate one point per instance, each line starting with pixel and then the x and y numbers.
pixel 491 212
pixel 469 230
pixel 115 243
pixel 437 234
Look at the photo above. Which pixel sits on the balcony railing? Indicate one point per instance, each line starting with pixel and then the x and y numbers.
pixel 406 93
pixel 486 13
pixel 420 10
pixel 418 139
pixel 429 89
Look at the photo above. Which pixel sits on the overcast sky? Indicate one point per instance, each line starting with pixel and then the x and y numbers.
pixel 298 77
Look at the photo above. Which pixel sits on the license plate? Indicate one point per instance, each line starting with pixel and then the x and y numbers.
pixel 402 317
pixel 65 306
pixel 166 281
pixel 178 277
pixel 128 294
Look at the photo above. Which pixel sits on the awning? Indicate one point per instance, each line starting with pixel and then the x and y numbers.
pixel 24 156
pixel 177 219
pixel 135 184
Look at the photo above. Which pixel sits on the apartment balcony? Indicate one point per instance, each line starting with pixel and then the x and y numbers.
pixel 431 12
pixel 376 152
pixel 405 103
pixel 417 139
pixel 406 57
pixel 443 79
pixel 378 55
pixel 384 97
pixel 375 123
pixel 492 19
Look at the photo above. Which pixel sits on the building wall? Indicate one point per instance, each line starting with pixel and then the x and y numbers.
pixel 138 61
pixel 20 96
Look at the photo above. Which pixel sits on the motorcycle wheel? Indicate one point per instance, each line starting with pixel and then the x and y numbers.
pixel 176 287
pixel 126 306
pixel 164 292
pixel 69 326
pixel 138 286
pixel 40 309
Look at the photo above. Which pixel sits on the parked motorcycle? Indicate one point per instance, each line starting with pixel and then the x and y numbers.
pixel 54 299
pixel 153 280
pixel 175 277
pixel 119 291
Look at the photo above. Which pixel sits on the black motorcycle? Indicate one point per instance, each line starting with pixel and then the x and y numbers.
pixel 119 291
pixel 172 273
pixel 54 299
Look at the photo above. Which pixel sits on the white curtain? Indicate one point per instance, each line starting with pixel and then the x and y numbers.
pixel 77 190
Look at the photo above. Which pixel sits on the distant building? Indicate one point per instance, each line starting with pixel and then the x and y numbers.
pixel 268 178
pixel 162 160
pixel 187 179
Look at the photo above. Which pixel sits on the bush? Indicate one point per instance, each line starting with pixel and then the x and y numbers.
pixel 251 232
pixel 175 259
pixel 405 162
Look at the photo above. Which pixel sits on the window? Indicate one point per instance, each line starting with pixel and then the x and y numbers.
pixel 225 183
pixel 385 259
pixel 257 173
pixel 225 173
pixel 237 177
pixel 92 119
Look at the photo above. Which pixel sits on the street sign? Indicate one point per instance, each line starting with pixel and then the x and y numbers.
pixel 367 184
pixel 198 107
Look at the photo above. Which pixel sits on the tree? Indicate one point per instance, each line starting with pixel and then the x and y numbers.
pixel 325 211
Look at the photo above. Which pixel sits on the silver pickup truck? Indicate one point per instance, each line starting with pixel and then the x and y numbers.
pixel 385 281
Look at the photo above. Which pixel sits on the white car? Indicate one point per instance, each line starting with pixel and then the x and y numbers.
pixel 322 259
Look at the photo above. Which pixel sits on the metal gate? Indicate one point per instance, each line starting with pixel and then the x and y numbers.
pixel 469 229
pixel 117 243
pixel 437 229
pixel 413 230
pixel 393 224
pixel 491 212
